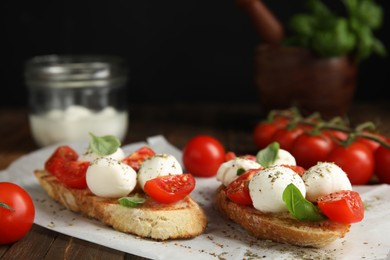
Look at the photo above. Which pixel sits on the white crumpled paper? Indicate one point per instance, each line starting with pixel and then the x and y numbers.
pixel 222 239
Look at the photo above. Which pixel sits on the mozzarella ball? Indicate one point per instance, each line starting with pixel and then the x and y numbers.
pixel 110 178
pixel 267 186
pixel 324 178
pixel 90 156
pixel 158 165
pixel 284 157
pixel 227 172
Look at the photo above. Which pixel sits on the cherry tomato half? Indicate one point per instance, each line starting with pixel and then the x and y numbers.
pixel 343 206
pixel 15 220
pixel 356 159
pixel 203 155
pixel 238 192
pixel 61 154
pixel 170 188
pixel 73 174
pixel 136 158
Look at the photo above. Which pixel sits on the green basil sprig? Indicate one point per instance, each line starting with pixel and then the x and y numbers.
pixel 299 207
pixel 104 145
pixel 131 202
pixel 268 155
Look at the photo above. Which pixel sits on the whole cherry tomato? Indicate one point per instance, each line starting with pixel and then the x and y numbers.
pixel 308 149
pixel 285 137
pixel 17 212
pixel 382 164
pixel 263 131
pixel 202 155
pixel 356 159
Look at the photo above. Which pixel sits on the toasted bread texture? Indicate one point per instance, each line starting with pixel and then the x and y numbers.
pixel 181 220
pixel 280 227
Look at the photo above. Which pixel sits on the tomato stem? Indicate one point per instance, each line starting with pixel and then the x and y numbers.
pixel 6 206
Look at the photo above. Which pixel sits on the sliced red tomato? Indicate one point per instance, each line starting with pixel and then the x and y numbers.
pixel 344 206
pixel 238 191
pixel 170 188
pixel 73 174
pixel 298 169
pixel 136 158
pixel 61 154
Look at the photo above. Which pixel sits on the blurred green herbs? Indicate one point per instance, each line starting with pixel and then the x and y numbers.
pixel 328 34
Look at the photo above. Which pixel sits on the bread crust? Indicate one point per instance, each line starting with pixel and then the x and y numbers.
pixel 181 220
pixel 281 228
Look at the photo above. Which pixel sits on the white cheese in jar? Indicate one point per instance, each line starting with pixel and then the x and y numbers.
pixel 75 123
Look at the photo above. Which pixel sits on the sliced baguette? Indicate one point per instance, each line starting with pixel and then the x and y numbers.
pixel 181 220
pixel 279 227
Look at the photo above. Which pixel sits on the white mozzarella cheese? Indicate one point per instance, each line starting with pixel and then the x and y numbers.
pixel 227 172
pixel 324 178
pixel 267 186
pixel 110 178
pixel 158 165
pixel 284 157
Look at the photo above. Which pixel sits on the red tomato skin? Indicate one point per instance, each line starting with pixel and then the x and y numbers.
pixel 356 159
pixel 203 155
pixel 238 191
pixel 309 149
pixel 73 174
pixel 382 164
pixel 171 188
pixel 135 159
pixel 342 206
pixel 63 153
pixel 262 134
pixel 14 225
pixel 285 137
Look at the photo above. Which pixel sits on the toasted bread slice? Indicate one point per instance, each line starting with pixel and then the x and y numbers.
pixel 280 227
pixel 181 220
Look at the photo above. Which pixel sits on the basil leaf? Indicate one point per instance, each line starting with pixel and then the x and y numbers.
pixel 268 155
pixel 131 202
pixel 104 145
pixel 299 207
pixel 240 171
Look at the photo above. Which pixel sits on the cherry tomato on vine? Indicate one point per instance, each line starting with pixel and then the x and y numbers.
pixel 285 137
pixel 382 164
pixel 17 212
pixel 264 131
pixel 238 190
pixel 356 159
pixel 203 155
pixel 170 188
pixel 373 145
pixel 344 206
pixel 308 149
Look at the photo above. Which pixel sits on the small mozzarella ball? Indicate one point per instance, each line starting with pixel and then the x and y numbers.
pixel 158 165
pixel 90 156
pixel 267 186
pixel 110 178
pixel 324 178
pixel 227 172
pixel 284 157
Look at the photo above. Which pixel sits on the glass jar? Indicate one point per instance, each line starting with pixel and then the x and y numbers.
pixel 71 96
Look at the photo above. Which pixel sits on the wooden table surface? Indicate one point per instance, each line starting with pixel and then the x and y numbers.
pixel 232 124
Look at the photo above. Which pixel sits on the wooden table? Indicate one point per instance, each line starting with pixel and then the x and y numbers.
pixel 232 124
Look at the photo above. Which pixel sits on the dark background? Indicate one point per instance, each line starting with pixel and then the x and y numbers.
pixel 178 51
